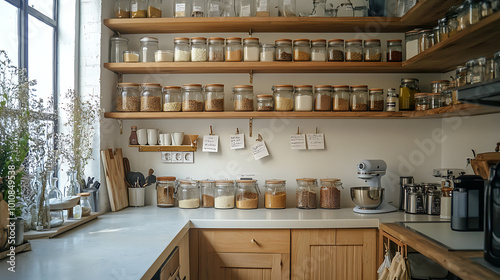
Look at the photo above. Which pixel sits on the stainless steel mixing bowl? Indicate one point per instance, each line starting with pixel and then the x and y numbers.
pixel 367 197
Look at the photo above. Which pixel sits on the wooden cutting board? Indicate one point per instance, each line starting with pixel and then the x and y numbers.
pixel 4 221
pixel 115 178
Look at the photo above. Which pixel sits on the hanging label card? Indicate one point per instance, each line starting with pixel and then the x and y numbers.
pixel 259 150
pixel 315 141
pixel 211 143
pixel 298 142
pixel 237 141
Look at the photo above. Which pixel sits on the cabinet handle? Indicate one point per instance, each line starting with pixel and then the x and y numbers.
pixel 255 242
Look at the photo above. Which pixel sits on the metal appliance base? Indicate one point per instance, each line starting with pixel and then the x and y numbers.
pixel 383 208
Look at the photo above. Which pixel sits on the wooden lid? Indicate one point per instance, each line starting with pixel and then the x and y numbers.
pixel 233 39
pixel 372 40
pixel 216 39
pixel 328 180
pixel 251 39
pixel 309 180
pixel 243 86
pixel 181 39
pixel 354 41
pixel 319 40
pixel 172 87
pixel 303 86
pixel 264 96
pixel 128 85
pixel 336 40
pixel 341 86
pixel 188 182
pixel 166 178
pixel 323 86
pixel 283 41
pixel 376 89
pixel 223 182
pixel 301 40
pixel 198 38
pixel 150 85
pixel 246 181
pixel 275 181
pixel 191 85
pixel 359 86
pixel 214 85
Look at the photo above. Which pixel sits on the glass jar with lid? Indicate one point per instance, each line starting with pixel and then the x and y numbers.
pixel 302 50
pixel 376 98
pixel 234 50
pixel 474 12
pixel 275 196
pixel 85 204
pixel 198 8
pixel 469 64
pixel 341 98
pixel 164 56
pixel 307 193
pixel 443 28
pixel 421 102
pixel 224 194
pixel 207 193
pixel 394 51
pixel 424 40
pixel 353 50
pixel 151 97
pixel 188 194
pixel 463 16
pixel 477 70
pixel 130 56
pixel 440 86
pixel 287 8
pixel 323 98
pixel 138 8
pixel 436 35
pixel 214 98
pixel 265 102
pixel 435 100
pixel 243 98
pixel 372 50
pixel 251 49
pixel 182 51
pixel 122 8
pixel 359 98
pixel 411 43
pixel 303 98
pixel 283 97
pixel 247 194
pixel 453 25
pixel 489 73
pixel 283 50
pixel 407 90
pixel 461 76
pixel 245 8
pixel 128 99
pixel 199 49
pixel 215 49
pixel 318 50
pixel 486 8
pixel 117 46
pixel 263 8
pixel 149 45
pixel 172 99
pixel 182 8
pixel 496 59
pixel 267 52
pixel 165 189
pixel 192 98
pixel 336 50
pixel 329 197
pixel 392 101
pixel 154 8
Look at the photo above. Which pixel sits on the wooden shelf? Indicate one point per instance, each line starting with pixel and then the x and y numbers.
pixel 427 12
pixel 485 93
pixel 157 148
pixel 68 225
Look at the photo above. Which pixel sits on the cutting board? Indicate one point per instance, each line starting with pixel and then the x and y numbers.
pixel 115 178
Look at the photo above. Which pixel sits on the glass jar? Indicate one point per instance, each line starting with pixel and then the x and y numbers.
pixel 495 5
pixel 154 8
pixel 182 51
pixel 474 11
pixel 336 50
pixel 303 98
pixel 436 35
pixel 199 49
pixel 353 50
pixel 341 98
pixel 489 73
pixel 424 40
pixel 463 16
pixel 283 50
pixel 283 97
pixel 302 50
pixel 443 29
pixel 411 42
pixel 122 8
pixel 172 99
pixel 138 8
pixel 127 99
pixel 247 194
pixel 267 52
pixel 198 8
pixel 215 8
pixel 234 50
pixel 372 50
pixel 359 98
pixel 394 51
pixel 165 189
pixel 133 140
pixel 440 86
pixel 224 194
pixel 497 65
pixel 216 49
pixel 214 98
pixel 263 8
pixel 323 98
pixel 329 197
pixel 192 98
pixel 117 46
pixel 251 49
pixel 453 25
pixel 182 8
pixel 486 8
pixel 85 204
pixel 376 98
pixel 434 100
pixel 287 8
pixel 207 193
pixel 318 50
pixel 392 101
pixel 245 8
pixel 130 56
pixel 477 70
pixel 151 97
pixel 265 102
pixel 307 193
pixel 421 102
pixel 164 56
pixel 407 91
pixel 469 64
pixel 275 196
pixel 149 45
pixel 188 194
pixel 243 98
pixel 461 76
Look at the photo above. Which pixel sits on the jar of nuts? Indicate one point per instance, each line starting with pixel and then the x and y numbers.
pixel 302 50
pixel 128 99
pixel 336 50
pixel 307 193
pixel 243 98
pixel 376 99
pixel 373 52
pixel 359 98
pixel 353 50
pixel 329 197
pixel 283 97
pixel 283 50
pixel 151 97
pixel 172 99
pixel 215 49
pixel 341 98
pixel 323 98
pixel 192 98
pixel 214 98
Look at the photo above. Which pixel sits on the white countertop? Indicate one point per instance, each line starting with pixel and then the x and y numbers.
pixel 124 245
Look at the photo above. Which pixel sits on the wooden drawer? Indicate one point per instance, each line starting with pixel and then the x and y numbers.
pixel 246 240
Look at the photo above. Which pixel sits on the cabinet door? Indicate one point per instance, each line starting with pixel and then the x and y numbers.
pixel 248 266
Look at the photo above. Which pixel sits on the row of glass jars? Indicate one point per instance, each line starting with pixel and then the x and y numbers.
pixel 148 51
pixel 478 70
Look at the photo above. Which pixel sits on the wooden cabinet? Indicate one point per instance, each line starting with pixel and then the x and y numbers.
pixel 323 254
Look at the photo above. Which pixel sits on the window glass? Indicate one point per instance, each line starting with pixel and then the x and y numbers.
pixel 45 7
pixel 10 32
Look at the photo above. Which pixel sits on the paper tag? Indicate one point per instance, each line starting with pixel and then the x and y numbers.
pixel 180 7
pixel 133 7
pixel 245 11
pixel 197 9
pixel 315 141
pixel 262 6
pixel 211 143
pixel 348 8
pixel 298 142
pixel 237 141
pixel 259 150
pixel 214 8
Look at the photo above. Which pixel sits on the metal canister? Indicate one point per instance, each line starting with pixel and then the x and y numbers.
pixel 402 194
pixel 434 202
pixel 415 200
pixel 427 188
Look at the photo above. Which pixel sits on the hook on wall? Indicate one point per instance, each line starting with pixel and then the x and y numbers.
pixel 317 130
pixel 250 124
pixel 237 131
pixel 298 130
pixel 259 138
pixel 211 132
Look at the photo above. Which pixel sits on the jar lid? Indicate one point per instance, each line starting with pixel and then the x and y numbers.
pixel 149 39
pixel 340 86
pixel 242 87
pixel 283 87
pixel 394 41
pixel 301 41
pixel 207 181
pixel 328 180
pixel 275 181
pixel 223 182
pixel 323 87
pixel 304 86
pixel 118 39
pixel 191 86
pixel 128 85
pixel 181 40
pixel 84 194
pixel 376 90
pixel 172 88
pixel 251 39
pixel 264 96
pixel 336 41
pixel 188 182
pixel 420 94
pixel 354 41
pixel 408 80
pixel 198 40
pixel 283 41
pixel 318 41
pixel 151 85
pixel 440 81
pixel 246 181
pixel 166 178
pixel 215 39
pixel 359 86
pixel 233 39
pixel 309 180
pixel 214 86
pixel 372 40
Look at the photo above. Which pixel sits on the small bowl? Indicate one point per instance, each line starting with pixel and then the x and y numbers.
pixel 367 197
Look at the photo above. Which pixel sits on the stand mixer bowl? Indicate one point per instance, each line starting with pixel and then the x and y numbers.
pixel 367 197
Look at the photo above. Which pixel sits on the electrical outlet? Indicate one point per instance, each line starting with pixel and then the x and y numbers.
pixel 166 157
pixel 188 157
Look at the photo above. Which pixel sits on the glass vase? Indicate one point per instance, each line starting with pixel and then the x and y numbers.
pixel 72 186
pixel 43 207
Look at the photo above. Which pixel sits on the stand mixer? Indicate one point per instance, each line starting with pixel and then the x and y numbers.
pixel 370 199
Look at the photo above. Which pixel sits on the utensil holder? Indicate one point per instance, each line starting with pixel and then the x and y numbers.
pixel 136 197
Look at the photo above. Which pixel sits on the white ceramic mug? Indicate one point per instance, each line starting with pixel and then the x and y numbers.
pixel 153 136
pixel 161 139
pixel 142 136
pixel 167 139
pixel 177 138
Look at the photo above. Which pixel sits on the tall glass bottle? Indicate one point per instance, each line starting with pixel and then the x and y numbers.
pixel 42 206
pixel 72 186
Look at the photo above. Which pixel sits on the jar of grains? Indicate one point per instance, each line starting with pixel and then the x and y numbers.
pixel 251 49
pixel 307 190
pixel 353 50
pixel 247 194
pixel 323 98
pixel 359 98
pixel 138 8
pixel 443 28
pixel 283 50
pixel 302 50
pixel 394 51
pixel 329 197
pixel 243 98
pixel 376 99
pixel 192 98
pixel 267 52
pixel 303 98
pixel 341 98
pixel 318 50
pixel 182 51
pixel 275 196
pixel 421 103
pixel 164 56
pixel 122 8
pixel 165 189
pixel 172 99
pixel 151 97
pixel 127 99
pixel 188 194
pixel 336 50
pixel 224 194
pixel 214 98
pixel 373 52
pixel 265 102
pixel 216 49
pixel 149 45
pixel 154 8
pixel 234 50
pixel 207 193
pixel 182 8
pixel 130 56
pixel 283 97
pixel 424 40
pixel 199 49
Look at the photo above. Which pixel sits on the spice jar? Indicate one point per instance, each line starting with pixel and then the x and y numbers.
pixel 330 193
pixel 263 8
pixel 207 193
pixel 323 98
pixel 497 65
pixel 130 56
pixel 192 98
pixel 234 51
pixel 443 29
pixel 164 56
pixel 165 189
pixel 307 191
pixel 117 46
pixel 199 49
pixel 188 194
pixel 392 100
pixel 353 50
pixel 154 8
pixel 216 49
pixel 421 102
pixel 436 35
pixel 251 49
pixel 435 100
pixel 461 76
pixel 283 50
pixel 265 102
pixel 424 40
pixel 440 86
pixel 133 140
pixel 411 42
pixel 336 50
pixel 127 99
pixel 122 8
pixel 463 16
pixel 138 8
pixel 267 52
pixel 303 98
pixel 453 25
pixel 283 97
pixel 243 98
pixel 149 45
pixel 394 51
pixel 198 8
pixel 214 98
pixel 302 50
pixel 474 12
pixel 151 97
pixel 359 98
pixel 224 194
pixel 275 196
pixel 318 50
pixel 341 98
pixel 376 98
pixel 372 50
pixel 182 51
pixel 247 194
pixel 172 99
pixel 182 8
pixel 407 91
pixel 477 70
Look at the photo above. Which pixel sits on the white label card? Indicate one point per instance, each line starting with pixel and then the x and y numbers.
pixel 259 150
pixel 197 9
pixel 245 11
pixel 348 8
pixel 211 143
pixel 237 141
pixel 180 7
pixel 298 142
pixel 315 141
pixel 262 6
pixel 214 8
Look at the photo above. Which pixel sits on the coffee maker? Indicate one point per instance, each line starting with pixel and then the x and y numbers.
pixel 467 205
